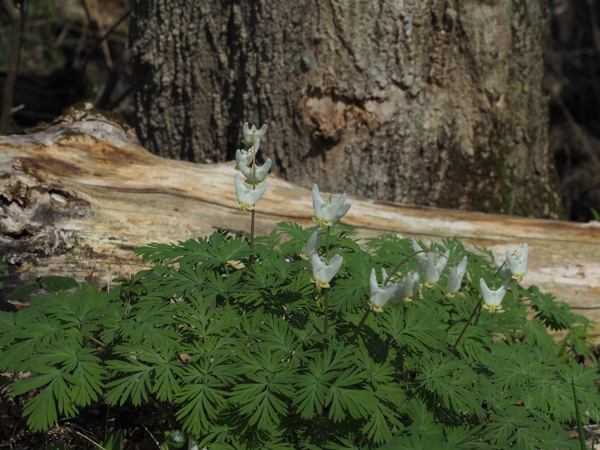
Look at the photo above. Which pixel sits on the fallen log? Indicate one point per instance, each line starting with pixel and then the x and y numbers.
pixel 82 194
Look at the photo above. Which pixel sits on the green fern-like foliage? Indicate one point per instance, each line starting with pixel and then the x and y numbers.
pixel 241 359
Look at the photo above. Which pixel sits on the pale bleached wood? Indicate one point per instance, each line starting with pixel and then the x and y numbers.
pixel 94 195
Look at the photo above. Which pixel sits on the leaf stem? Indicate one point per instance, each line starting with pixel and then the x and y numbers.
pixel 362 322
pixel 97 342
pixel 578 416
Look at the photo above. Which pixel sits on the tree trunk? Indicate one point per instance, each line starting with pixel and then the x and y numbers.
pixel 426 102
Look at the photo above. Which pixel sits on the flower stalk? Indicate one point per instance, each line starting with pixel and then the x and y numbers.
pixel 360 325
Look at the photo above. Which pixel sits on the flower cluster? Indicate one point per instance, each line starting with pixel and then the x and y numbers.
pixel 433 263
pixel 512 269
pixel 246 163
pixel 327 214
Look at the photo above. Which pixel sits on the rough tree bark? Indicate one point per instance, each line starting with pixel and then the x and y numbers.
pixel 425 102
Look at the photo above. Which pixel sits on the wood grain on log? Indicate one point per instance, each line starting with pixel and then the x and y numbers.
pixel 83 193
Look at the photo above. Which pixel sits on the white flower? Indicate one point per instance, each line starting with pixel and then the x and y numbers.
pixel 261 172
pixel 411 285
pixel 311 245
pixel 245 157
pixel 422 257
pixel 328 214
pixel 493 299
pixel 379 296
pixel 455 278
pixel 247 198
pixel 252 135
pixel 504 271
pixel 515 268
pixel 398 295
pixel 518 266
pixel 435 266
pixel 323 273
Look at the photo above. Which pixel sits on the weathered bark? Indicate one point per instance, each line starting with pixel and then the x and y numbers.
pixel 84 194
pixel 425 102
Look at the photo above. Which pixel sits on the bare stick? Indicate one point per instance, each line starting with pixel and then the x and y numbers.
pixel 85 437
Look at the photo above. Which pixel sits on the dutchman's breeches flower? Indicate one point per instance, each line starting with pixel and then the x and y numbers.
pixel 323 273
pixel 398 295
pixel 518 266
pixel 252 135
pixel 380 296
pixel 435 266
pixel 514 268
pixel 422 257
pixel 327 214
pixel 259 176
pixel 411 285
pixel 311 245
pixel 247 198
pixel 504 269
pixel 455 278
pixel 493 299
pixel 245 157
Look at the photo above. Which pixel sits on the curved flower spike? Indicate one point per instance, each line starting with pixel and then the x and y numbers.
pixel 328 214
pixel 252 135
pixel 311 245
pixel 411 285
pixel 244 157
pixel 455 278
pixel 323 273
pixel 434 268
pixel 261 172
pixel 504 271
pixel 379 296
pixel 493 299
pixel 247 198
pixel 518 266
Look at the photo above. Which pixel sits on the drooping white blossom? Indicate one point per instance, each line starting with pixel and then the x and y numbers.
pixel 245 157
pixel 514 268
pixel 247 198
pixel 455 278
pixel 252 135
pixel 518 266
pixel 435 266
pixel 311 245
pixel 411 285
pixel 493 298
pixel 323 273
pixel 380 296
pixel 422 256
pixel 327 214
pixel 258 174
pixel 504 269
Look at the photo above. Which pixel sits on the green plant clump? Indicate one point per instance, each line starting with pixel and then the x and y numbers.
pixel 232 337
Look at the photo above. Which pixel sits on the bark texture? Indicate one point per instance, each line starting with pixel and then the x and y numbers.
pixel 425 102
